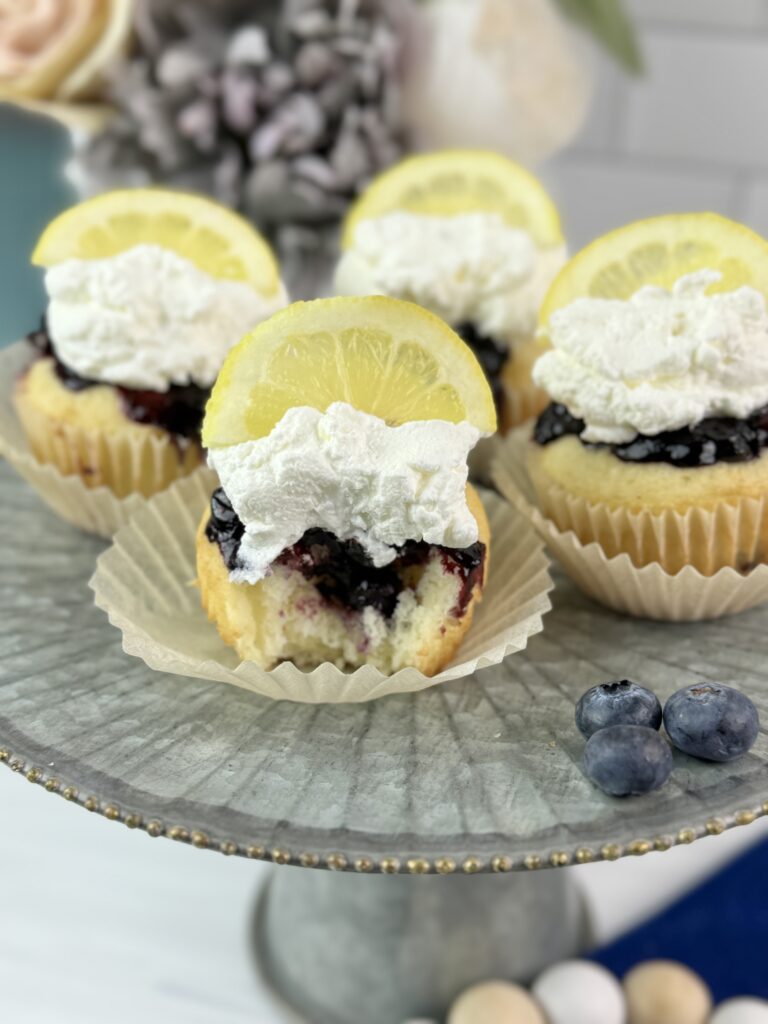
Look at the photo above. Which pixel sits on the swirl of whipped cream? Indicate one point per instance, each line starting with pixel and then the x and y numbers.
pixel 348 472
pixel 660 360
pixel 147 318
pixel 471 267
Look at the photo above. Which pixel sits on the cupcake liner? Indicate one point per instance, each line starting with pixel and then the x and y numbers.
pixel 522 398
pixel 522 404
pixel 51 456
pixel 144 584
pixel 612 578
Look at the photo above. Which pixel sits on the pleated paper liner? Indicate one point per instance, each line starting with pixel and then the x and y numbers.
pixel 614 579
pixel 57 459
pixel 144 583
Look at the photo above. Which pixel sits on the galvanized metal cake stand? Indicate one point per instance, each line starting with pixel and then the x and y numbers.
pixel 415 826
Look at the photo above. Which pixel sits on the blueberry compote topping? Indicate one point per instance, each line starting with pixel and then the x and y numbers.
pixel 716 439
pixel 490 356
pixel 224 528
pixel 342 571
pixel 179 410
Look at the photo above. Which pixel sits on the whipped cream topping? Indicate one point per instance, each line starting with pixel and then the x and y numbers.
pixel 660 360
pixel 148 318
pixel 471 267
pixel 348 472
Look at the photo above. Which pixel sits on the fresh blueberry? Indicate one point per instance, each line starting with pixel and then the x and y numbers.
pixel 627 759
pixel 711 721
pixel 621 703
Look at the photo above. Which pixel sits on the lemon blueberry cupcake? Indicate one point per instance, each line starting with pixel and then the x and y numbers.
pixel 344 529
pixel 655 440
pixel 147 291
pixel 473 237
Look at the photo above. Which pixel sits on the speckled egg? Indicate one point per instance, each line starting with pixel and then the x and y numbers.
pixel 580 992
pixel 741 1011
pixel 495 1002
pixel 665 992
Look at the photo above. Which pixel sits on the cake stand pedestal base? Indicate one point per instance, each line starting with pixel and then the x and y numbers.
pixel 344 948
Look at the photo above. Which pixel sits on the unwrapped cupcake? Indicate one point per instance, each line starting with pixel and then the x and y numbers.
pixel 474 238
pixel 344 530
pixel 654 441
pixel 147 292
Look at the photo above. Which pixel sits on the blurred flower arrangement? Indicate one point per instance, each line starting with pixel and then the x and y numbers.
pixel 286 108
pixel 279 109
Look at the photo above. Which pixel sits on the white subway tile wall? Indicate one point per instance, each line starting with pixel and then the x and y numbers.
pixel 721 13
pixel 596 194
pixel 689 134
pixel 754 207
pixel 702 100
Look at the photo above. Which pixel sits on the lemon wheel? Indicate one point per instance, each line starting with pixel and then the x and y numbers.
pixel 384 356
pixel 452 182
pixel 212 237
pixel 658 251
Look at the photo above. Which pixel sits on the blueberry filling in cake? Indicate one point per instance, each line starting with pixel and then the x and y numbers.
pixel 491 356
pixel 342 572
pixel 714 439
pixel 179 410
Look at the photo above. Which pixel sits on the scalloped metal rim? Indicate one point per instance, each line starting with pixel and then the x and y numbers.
pixel 388 865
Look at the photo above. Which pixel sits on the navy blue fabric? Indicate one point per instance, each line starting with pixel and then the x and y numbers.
pixel 720 930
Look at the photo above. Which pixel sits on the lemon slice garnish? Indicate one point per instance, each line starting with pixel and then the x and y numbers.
pixel 452 182
pixel 212 237
pixel 383 356
pixel 658 251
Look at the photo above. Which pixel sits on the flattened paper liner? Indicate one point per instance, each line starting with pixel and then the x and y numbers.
pixel 646 591
pixel 144 583
pixel 146 467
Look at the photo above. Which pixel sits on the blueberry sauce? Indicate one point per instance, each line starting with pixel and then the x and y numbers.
pixel 224 528
pixel 715 439
pixel 490 356
pixel 342 571
pixel 179 410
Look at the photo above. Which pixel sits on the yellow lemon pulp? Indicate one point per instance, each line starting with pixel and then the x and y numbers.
pixel 212 237
pixel 383 356
pixel 451 182
pixel 658 251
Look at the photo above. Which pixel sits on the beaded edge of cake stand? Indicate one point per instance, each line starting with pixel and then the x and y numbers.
pixel 468 865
